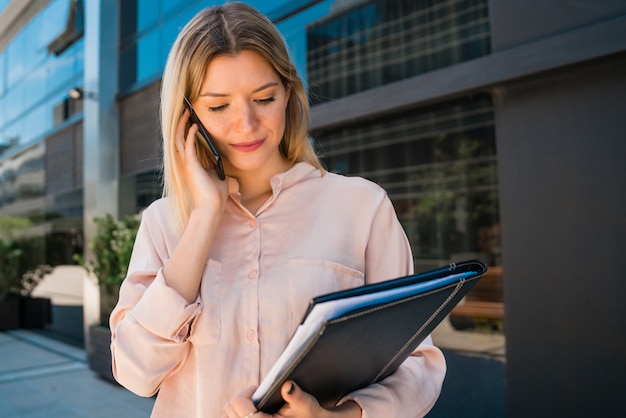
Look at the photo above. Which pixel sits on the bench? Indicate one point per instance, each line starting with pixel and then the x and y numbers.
pixel 483 307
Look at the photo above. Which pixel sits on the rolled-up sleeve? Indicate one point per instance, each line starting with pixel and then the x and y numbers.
pixel 171 324
pixel 413 389
pixel 151 322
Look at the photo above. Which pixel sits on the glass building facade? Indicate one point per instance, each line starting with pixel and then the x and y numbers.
pixel 437 162
pixel 383 41
pixel 38 66
pixel 33 79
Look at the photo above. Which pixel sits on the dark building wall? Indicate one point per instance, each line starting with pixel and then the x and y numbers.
pixel 140 135
pixel 64 160
pixel 561 156
pixel 515 23
pixel 562 162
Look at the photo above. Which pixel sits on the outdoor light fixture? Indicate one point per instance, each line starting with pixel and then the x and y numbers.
pixel 78 93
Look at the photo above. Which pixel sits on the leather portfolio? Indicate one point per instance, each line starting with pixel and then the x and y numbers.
pixel 354 338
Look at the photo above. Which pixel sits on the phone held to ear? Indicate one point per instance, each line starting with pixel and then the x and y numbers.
pixel 218 158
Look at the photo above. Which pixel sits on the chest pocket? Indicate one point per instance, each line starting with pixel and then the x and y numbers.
pixel 310 278
pixel 206 327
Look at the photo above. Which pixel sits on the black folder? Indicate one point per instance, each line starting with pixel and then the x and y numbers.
pixel 367 334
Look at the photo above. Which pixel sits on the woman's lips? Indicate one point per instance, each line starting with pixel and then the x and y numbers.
pixel 248 146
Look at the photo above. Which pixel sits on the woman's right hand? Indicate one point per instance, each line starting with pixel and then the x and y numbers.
pixel 183 271
pixel 206 189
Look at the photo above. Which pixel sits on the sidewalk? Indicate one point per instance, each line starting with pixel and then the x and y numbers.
pixel 41 377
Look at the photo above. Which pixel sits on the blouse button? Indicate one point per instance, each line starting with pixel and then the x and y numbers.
pixel 253 223
pixel 252 274
pixel 251 335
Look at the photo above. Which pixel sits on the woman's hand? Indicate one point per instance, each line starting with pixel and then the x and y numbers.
pixel 183 271
pixel 205 187
pixel 299 404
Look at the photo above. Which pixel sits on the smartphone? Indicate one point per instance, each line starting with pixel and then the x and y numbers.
pixel 218 158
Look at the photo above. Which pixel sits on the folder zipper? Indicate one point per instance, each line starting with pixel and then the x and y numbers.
pixel 419 331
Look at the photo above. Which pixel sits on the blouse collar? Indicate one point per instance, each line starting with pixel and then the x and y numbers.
pixel 299 172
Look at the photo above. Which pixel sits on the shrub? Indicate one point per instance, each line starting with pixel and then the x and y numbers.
pixel 112 247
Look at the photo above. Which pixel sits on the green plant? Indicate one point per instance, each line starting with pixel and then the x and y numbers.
pixel 12 227
pixel 457 199
pixel 10 257
pixel 18 275
pixel 22 264
pixel 112 246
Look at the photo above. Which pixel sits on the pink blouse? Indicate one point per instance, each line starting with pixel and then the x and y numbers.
pixel 314 235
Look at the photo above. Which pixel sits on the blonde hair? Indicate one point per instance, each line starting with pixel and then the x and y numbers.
pixel 225 30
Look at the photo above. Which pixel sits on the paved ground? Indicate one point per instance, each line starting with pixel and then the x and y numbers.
pixel 44 378
pixel 475 385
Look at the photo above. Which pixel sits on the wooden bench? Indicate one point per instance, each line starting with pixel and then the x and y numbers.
pixel 483 307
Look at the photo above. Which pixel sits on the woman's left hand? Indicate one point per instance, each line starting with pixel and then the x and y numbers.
pixel 299 404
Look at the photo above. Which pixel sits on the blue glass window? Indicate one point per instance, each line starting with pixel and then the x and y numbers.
pixel 170 31
pixel 4 4
pixel 142 19
pixel 16 64
pixel 2 78
pixel 172 6
pixel 147 14
pixel 32 80
pixel 148 56
pixel 388 40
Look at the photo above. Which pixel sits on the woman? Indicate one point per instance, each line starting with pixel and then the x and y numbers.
pixel 222 271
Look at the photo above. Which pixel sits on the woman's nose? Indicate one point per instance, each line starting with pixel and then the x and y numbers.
pixel 246 119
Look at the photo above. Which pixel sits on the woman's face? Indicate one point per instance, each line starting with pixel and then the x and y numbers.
pixel 242 104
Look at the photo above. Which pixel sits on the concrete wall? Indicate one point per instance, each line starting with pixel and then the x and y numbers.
pixel 562 161
pixel 561 137
pixel 515 23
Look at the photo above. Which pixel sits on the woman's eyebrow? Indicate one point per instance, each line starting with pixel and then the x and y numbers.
pixel 263 87
pixel 266 86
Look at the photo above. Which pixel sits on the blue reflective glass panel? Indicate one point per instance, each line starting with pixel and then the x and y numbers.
pixel 293 30
pixel 148 56
pixel 2 77
pixel 147 14
pixel 170 31
pixel 4 4
pixel 384 41
pixel 169 6
pixel 15 59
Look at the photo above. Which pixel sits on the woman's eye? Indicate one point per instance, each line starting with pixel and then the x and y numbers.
pixel 217 108
pixel 266 101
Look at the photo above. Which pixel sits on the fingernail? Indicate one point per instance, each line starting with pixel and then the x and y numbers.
pixel 291 388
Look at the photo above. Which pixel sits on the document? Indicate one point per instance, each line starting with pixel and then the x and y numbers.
pixel 320 356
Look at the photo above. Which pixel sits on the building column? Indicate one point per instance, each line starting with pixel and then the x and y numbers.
pixel 100 128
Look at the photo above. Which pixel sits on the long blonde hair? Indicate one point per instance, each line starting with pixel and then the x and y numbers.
pixel 225 30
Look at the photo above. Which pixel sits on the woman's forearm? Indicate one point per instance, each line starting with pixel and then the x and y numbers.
pixel 183 272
